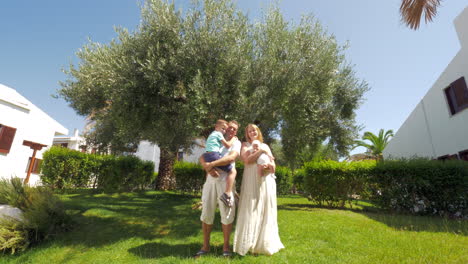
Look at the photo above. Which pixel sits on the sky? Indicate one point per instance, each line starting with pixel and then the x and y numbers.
pixel 40 38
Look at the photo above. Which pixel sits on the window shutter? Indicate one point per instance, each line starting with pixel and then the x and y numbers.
pixel 7 134
pixel 457 95
pixel 37 166
pixel 450 100
pixel 461 93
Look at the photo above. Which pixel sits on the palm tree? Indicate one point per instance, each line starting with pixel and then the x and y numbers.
pixel 411 11
pixel 377 143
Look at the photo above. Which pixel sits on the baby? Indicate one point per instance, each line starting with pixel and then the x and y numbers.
pixel 262 160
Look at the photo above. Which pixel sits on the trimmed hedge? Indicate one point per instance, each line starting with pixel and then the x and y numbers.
pixel 63 168
pixel 334 183
pixel 423 186
pixel 190 177
pixel 418 186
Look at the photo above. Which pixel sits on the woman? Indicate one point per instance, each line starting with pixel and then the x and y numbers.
pixel 257 226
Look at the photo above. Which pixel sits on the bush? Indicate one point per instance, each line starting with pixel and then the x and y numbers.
pixel 298 180
pixel 13 236
pixel 190 177
pixel 43 215
pixel 422 186
pixel 124 173
pixel 65 168
pixel 284 179
pixel 333 182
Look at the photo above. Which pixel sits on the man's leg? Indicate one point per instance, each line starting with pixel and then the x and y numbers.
pixel 227 229
pixel 209 201
pixel 206 236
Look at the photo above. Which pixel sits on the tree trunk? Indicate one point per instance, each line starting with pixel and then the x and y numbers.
pixel 166 178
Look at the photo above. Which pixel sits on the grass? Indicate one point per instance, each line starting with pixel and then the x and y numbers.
pixel 161 227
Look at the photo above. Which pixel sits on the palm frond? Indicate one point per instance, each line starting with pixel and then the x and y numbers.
pixel 411 11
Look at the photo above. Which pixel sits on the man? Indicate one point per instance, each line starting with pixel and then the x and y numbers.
pixel 214 186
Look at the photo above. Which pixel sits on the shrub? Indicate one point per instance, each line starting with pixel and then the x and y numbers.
pixel 124 173
pixel 284 179
pixel 13 236
pixel 43 215
pixel 190 177
pixel 298 180
pixel 333 182
pixel 422 186
pixel 65 168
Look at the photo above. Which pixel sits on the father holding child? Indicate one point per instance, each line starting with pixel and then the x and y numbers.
pixel 219 183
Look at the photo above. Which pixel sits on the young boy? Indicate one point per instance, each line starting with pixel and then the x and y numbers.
pixel 214 142
pixel 262 160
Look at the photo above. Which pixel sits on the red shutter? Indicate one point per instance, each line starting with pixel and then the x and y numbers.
pixel 7 134
pixel 37 166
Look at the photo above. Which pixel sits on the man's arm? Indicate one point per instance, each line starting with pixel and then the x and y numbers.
pixel 211 171
pixel 228 159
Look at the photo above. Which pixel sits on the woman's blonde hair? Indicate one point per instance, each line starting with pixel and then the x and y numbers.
pixel 259 137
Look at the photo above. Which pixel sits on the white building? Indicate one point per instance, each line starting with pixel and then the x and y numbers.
pixel 25 132
pixel 148 151
pixel 75 142
pixel 438 126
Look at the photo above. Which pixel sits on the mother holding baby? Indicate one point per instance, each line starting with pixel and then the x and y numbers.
pixel 257 225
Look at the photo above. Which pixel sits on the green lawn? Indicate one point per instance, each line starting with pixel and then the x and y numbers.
pixel 159 227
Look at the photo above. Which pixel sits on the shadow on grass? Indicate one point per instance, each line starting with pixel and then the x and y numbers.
pixel 397 221
pixel 359 208
pixel 421 223
pixel 160 250
pixel 155 250
pixel 102 219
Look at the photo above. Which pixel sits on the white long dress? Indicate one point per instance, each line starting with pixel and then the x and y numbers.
pixel 257 225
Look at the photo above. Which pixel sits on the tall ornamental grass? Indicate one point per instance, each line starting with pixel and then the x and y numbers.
pixel 43 215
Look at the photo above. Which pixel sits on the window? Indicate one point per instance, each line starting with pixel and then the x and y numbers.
pixel 7 134
pixel 83 148
pixel 463 154
pixel 457 95
pixel 180 156
pixel 36 167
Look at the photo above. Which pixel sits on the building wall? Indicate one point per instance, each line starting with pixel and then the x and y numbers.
pixel 31 124
pixel 151 152
pixel 412 139
pixel 431 130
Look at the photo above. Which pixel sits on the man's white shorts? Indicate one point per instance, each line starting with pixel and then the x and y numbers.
pixel 212 190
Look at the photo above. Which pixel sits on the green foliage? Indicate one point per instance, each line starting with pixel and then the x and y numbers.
pixel 161 227
pixel 190 177
pixel 298 180
pixel 168 80
pixel 13 237
pixel 64 168
pixel 124 173
pixel 284 177
pixel 418 186
pixel 377 143
pixel 422 186
pixel 43 215
pixel 13 192
pixel 335 183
